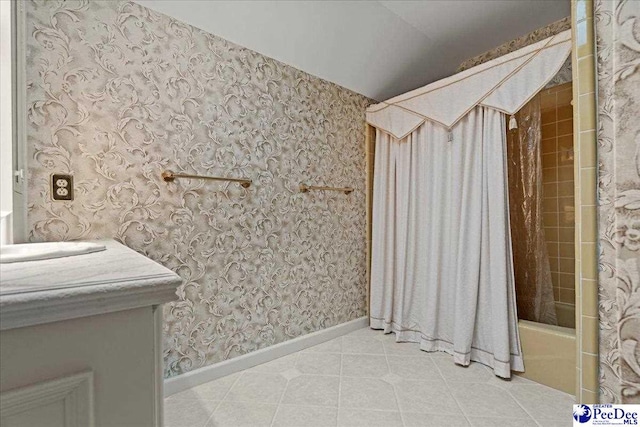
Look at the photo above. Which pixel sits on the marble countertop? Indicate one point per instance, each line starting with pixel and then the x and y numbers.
pixel 115 279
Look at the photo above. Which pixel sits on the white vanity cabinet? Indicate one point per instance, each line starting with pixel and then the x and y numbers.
pixel 80 340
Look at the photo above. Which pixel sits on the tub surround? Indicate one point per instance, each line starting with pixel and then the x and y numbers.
pixel 566 315
pixel 549 355
pixel 558 188
pixel 115 279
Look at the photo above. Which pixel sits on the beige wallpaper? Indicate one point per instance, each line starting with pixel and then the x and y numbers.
pixel 618 62
pixel 118 93
pixel 563 76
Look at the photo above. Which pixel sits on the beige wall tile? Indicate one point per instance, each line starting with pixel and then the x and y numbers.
pixel 565 173
pixel 588 397
pixel 585 151
pixel 567 295
pixel 589 334
pixel 566 158
pixel 589 297
pixel 566 204
pixel 588 186
pixel 550 219
pixel 588 149
pixel 565 112
pixel 555 280
pixel 565 188
pixel 567 250
pixel 549 115
pixel 550 160
pixel 587 112
pixel 550 175
pixel 558 171
pixel 550 190
pixel 588 227
pixel 551 233
pixel 549 131
pixel 565 143
pixel 549 145
pixel 586 71
pixel 547 100
pixel 589 261
pixel 565 96
pixel 567 280
pixel 590 372
pixel 567 265
pixel 566 234
pixel 567 219
pixel 550 205
pixel 565 127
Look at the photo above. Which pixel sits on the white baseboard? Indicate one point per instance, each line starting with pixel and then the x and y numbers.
pixel 208 373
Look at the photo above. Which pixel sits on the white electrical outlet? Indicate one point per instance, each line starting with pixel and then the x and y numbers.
pixel 62 187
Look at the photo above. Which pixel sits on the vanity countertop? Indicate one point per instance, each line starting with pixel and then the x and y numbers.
pixel 118 278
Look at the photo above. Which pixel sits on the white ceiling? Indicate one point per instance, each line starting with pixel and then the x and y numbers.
pixel 377 48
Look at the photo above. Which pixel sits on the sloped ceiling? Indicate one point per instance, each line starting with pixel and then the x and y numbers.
pixel 377 48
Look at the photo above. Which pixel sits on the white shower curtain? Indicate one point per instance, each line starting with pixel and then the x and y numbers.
pixel 441 271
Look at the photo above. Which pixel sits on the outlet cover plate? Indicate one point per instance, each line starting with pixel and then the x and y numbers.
pixel 61 186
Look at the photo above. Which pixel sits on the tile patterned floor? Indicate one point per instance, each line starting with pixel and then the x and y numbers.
pixel 367 379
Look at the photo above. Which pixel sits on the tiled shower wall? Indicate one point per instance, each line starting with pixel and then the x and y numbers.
pixel 558 188
pixel 585 124
pixel 118 93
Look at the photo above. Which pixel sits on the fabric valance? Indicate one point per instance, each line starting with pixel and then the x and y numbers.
pixel 504 84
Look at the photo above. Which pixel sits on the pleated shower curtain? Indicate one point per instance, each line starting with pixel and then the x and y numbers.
pixel 441 271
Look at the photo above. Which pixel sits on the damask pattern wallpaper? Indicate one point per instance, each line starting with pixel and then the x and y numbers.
pixel 563 76
pixel 618 61
pixel 118 93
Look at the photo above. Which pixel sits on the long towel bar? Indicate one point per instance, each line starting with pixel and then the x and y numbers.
pixel 170 176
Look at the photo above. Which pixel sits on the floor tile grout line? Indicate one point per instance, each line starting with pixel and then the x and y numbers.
pixel 340 381
pixel 522 406
pixel 295 366
pixel 387 347
pixel 273 417
pixel 393 386
pixel 222 400
pixel 448 387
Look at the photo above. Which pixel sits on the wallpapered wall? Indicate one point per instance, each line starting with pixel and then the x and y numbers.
pixel 618 62
pixel 563 76
pixel 118 93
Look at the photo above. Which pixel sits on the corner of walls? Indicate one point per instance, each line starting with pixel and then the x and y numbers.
pixel 618 177
pixel 118 93
pixel 584 96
